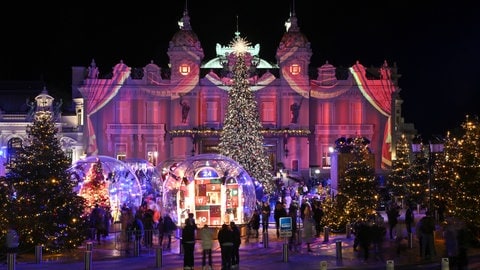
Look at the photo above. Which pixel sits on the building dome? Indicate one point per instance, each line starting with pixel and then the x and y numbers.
pixel 115 185
pixel 185 36
pixel 293 37
pixel 215 188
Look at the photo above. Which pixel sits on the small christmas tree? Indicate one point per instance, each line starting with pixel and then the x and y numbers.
pixel 359 186
pixel 46 210
pixel 417 186
pixel 399 177
pixel 241 138
pixel 467 201
pixel 95 188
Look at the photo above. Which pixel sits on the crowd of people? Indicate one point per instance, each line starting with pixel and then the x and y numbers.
pixel 142 225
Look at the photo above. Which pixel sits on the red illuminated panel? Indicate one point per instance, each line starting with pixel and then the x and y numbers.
pixel 201 200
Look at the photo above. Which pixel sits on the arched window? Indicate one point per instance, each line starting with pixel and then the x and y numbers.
pixel 14 145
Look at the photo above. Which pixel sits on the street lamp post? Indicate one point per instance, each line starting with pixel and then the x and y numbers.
pixel 436 147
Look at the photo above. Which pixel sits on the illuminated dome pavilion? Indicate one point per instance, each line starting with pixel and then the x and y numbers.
pixel 215 188
pixel 108 182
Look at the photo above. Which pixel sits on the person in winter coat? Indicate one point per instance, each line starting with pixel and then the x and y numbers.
pixel 206 235
pixel 292 213
pixel 317 216
pixel 226 239
pixel 409 219
pixel 188 243
pixel 265 216
pixel 166 227
pixel 254 223
pixel 308 224
pixel 237 240
pixel 278 212
pixel 392 215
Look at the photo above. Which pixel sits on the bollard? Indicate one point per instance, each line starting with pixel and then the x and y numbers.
pixel 410 240
pixel 159 257
pixel 88 260
pixel 180 246
pixel 89 246
pixel 11 261
pixel 136 248
pixel 445 264
pixel 349 230
pixel 285 252
pixel 265 239
pixel 326 232
pixel 38 254
pixel 339 249
pixel 323 265
pixel 390 265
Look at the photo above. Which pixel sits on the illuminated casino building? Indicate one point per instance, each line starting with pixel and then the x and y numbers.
pixel 176 110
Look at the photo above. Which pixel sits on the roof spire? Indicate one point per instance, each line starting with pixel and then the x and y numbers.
pixel 293 7
pixel 184 23
pixel 237 33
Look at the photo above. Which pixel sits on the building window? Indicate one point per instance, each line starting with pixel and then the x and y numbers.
pixel 212 111
pixel 326 156
pixel 268 111
pixel 152 154
pixel 295 69
pixel 13 148
pixel 121 151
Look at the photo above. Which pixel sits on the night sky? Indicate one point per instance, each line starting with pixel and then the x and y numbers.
pixel 435 44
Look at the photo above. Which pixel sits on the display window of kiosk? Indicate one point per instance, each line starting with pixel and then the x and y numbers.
pixel 213 199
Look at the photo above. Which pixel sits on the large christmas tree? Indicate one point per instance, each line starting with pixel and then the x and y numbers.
pixel 45 208
pixel 241 139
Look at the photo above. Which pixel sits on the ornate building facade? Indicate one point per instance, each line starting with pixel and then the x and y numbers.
pixel 160 114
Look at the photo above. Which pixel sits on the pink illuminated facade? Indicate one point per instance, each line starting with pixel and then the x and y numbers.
pixel 157 114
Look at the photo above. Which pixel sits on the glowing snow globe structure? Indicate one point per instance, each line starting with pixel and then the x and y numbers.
pixel 150 180
pixel 215 188
pixel 108 182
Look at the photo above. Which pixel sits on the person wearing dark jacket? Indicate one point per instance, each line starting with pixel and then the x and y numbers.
pixel 265 216
pixel 292 212
pixel 237 240
pixel 254 223
pixel 188 242
pixel 278 212
pixel 226 239
pixel 392 215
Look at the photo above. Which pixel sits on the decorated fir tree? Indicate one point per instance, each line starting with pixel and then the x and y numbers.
pixel 358 186
pixel 95 188
pixel 241 138
pixel 442 175
pixel 417 186
pixel 6 200
pixel 46 210
pixel 445 186
pixel 399 177
pixel 467 200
